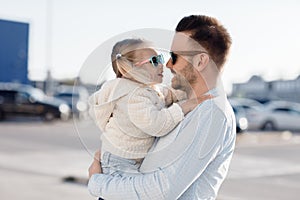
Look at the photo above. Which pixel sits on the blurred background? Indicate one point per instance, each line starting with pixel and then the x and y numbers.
pixel 46 137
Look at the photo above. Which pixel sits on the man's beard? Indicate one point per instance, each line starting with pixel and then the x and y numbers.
pixel 184 79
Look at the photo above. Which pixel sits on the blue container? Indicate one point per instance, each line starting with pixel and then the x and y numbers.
pixel 14 51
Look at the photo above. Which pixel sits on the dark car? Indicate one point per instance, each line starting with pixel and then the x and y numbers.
pixel 76 97
pixel 25 100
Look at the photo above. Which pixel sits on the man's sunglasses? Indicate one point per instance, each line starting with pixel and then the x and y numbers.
pixel 154 60
pixel 174 56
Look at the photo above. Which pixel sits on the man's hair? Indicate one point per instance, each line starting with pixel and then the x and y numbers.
pixel 210 34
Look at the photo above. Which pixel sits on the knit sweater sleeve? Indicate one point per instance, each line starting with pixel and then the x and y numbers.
pixel 151 118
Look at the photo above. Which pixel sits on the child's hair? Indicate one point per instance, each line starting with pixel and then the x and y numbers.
pixel 123 54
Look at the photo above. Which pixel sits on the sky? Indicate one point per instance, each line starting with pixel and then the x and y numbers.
pixel 64 33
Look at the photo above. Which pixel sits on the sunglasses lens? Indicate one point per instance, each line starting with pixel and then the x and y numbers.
pixel 173 57
pixel 154 61
pixel 160 59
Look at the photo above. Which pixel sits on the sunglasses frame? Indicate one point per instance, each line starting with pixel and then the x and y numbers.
pixel 159 58
pixel 174 56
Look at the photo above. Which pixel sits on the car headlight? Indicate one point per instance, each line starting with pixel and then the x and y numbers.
pixel 243 123
pixel 81 106
pixel 64 108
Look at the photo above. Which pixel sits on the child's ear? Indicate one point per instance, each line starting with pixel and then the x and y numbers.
pixel 200 61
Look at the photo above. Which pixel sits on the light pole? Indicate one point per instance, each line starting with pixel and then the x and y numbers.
pixel 49 29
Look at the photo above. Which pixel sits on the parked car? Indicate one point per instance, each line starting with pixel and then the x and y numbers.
pixel 25 100
pixel 240 116
pixel 282 115
pixel 76 97
pixel 255 112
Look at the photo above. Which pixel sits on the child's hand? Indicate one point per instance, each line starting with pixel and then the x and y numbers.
pixel 173 96
pixel 169 99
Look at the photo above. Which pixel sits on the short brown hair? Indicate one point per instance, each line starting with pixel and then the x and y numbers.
pixel 210 34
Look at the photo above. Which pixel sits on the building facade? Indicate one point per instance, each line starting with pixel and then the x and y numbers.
pixel 257 88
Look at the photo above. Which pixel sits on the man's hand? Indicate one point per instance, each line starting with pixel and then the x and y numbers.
pixel 95 167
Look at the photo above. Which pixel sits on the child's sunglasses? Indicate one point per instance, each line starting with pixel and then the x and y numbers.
pixel 154 60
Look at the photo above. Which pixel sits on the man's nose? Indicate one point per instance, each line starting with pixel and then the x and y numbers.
pixel 169 64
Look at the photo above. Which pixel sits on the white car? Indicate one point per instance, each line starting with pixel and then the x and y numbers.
pixel 282 115
pixel 241 120
pixel 254 111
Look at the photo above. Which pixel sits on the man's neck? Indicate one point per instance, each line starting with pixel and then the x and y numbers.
pixel 197 89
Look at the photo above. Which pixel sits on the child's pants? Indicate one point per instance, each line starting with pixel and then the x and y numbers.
pixel 117 166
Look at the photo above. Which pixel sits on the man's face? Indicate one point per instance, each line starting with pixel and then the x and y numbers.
pixel 183 70
pixel 184 77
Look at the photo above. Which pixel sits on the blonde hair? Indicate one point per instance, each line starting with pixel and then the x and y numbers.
pixel 123 55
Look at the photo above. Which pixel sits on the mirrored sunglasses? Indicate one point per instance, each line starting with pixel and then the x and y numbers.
pixel 154 60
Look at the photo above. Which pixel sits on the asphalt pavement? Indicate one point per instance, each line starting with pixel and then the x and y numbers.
pixel 49 161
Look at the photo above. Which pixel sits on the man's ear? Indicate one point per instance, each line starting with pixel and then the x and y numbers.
pixel 200 61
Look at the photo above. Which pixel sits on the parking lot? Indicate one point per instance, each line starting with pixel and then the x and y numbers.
pixel 265 165
pixel 41 160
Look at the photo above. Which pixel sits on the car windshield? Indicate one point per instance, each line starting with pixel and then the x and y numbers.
pixel 68 96
pixel 37 94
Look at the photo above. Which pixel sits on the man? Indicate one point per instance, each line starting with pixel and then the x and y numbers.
pixel 192 161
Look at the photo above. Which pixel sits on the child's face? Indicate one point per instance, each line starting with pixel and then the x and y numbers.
pixel 155 72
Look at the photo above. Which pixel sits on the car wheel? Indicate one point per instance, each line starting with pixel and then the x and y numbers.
pixel 239 130
pixel 268 126
pixel 1 115
pixel 49 116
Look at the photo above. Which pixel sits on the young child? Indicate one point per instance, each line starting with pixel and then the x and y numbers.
pixel 129 112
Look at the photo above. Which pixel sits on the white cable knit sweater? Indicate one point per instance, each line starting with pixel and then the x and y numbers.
pixel 130 115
